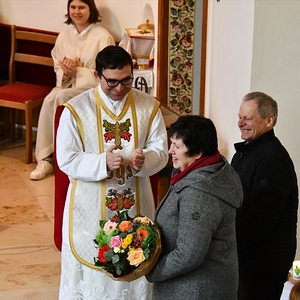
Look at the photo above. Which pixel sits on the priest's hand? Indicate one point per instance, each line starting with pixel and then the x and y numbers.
pixel 137 159
pixel 113 160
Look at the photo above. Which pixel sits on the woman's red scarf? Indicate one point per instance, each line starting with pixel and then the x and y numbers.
pixel 198 163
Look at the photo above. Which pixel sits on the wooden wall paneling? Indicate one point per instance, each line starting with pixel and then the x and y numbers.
pixel 162 51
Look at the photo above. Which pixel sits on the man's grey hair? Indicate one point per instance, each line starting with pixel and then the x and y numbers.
pixel 266 105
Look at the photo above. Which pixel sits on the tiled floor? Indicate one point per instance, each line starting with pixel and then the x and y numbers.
pixel 29 260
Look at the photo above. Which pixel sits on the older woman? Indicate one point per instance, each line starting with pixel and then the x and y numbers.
pixel 197 218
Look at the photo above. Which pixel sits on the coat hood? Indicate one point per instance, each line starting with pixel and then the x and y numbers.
pixel 218 180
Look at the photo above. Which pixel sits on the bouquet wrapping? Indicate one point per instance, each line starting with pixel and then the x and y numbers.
pixel 128 247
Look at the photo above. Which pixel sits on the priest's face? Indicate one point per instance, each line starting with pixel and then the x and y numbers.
pixel 116 83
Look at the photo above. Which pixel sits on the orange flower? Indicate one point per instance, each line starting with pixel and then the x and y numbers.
pixel 143 233
pixel 124 226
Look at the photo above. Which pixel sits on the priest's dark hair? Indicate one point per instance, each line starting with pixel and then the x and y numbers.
pixel 113 57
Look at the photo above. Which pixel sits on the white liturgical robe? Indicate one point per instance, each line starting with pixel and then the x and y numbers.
pixel 87 128
pixel 83 46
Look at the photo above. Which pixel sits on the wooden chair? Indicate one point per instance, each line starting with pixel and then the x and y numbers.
pixel 20 95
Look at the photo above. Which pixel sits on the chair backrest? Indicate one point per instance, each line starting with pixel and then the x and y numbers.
pixel 18 56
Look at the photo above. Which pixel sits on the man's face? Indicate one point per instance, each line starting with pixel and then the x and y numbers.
pixel 251 124
pixel 118 92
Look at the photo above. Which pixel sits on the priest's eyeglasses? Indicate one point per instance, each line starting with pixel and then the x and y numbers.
pixel 114 82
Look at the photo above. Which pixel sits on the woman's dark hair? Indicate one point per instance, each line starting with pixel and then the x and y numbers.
pixel 197 133
pixel 94 16
pixel 113 57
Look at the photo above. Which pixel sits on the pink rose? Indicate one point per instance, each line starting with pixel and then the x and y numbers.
pixel 177 80
pixel 186 41
pixel 115 241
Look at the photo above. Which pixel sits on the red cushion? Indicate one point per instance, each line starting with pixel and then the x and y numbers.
pixel 61 183
pixel 22 92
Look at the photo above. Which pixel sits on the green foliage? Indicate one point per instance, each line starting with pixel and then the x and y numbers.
pixel 109 255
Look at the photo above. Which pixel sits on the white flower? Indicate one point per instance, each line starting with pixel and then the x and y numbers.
pixel 143 220
pixel 117 249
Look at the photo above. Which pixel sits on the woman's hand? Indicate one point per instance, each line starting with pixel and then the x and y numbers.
pixel 69 67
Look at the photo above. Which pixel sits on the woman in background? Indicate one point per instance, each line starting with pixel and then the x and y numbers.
pixel 74 56
pixel 197 218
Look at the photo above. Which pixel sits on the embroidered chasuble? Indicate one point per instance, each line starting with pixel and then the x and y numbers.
pixel 121 190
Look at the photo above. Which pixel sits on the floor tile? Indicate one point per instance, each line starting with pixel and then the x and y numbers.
pixel 29 260
pixel 40 293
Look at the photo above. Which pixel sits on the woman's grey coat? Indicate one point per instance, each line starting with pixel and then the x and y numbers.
pixel 197 221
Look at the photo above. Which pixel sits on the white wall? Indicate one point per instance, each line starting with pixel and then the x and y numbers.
pixel 229 58
pixel 254 45
pixel 49 14
pixel 276 69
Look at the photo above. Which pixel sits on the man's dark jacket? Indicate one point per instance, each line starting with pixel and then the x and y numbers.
pixel 267 221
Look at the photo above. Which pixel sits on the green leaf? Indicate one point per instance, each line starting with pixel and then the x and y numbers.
pixel 115 259
pixel 122 235
pixel 174 11
pixel 172 63
pixel 190 3
pixel 188 82
pixel 190 53
pixel 172 91
pixel 174 42
pixel 108 255
pixel 118 271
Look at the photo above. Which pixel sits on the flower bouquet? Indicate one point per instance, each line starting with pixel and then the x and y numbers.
pixel 128 247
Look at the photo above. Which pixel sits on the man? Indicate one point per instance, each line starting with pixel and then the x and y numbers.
pixel 266 222
pixel 109 141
